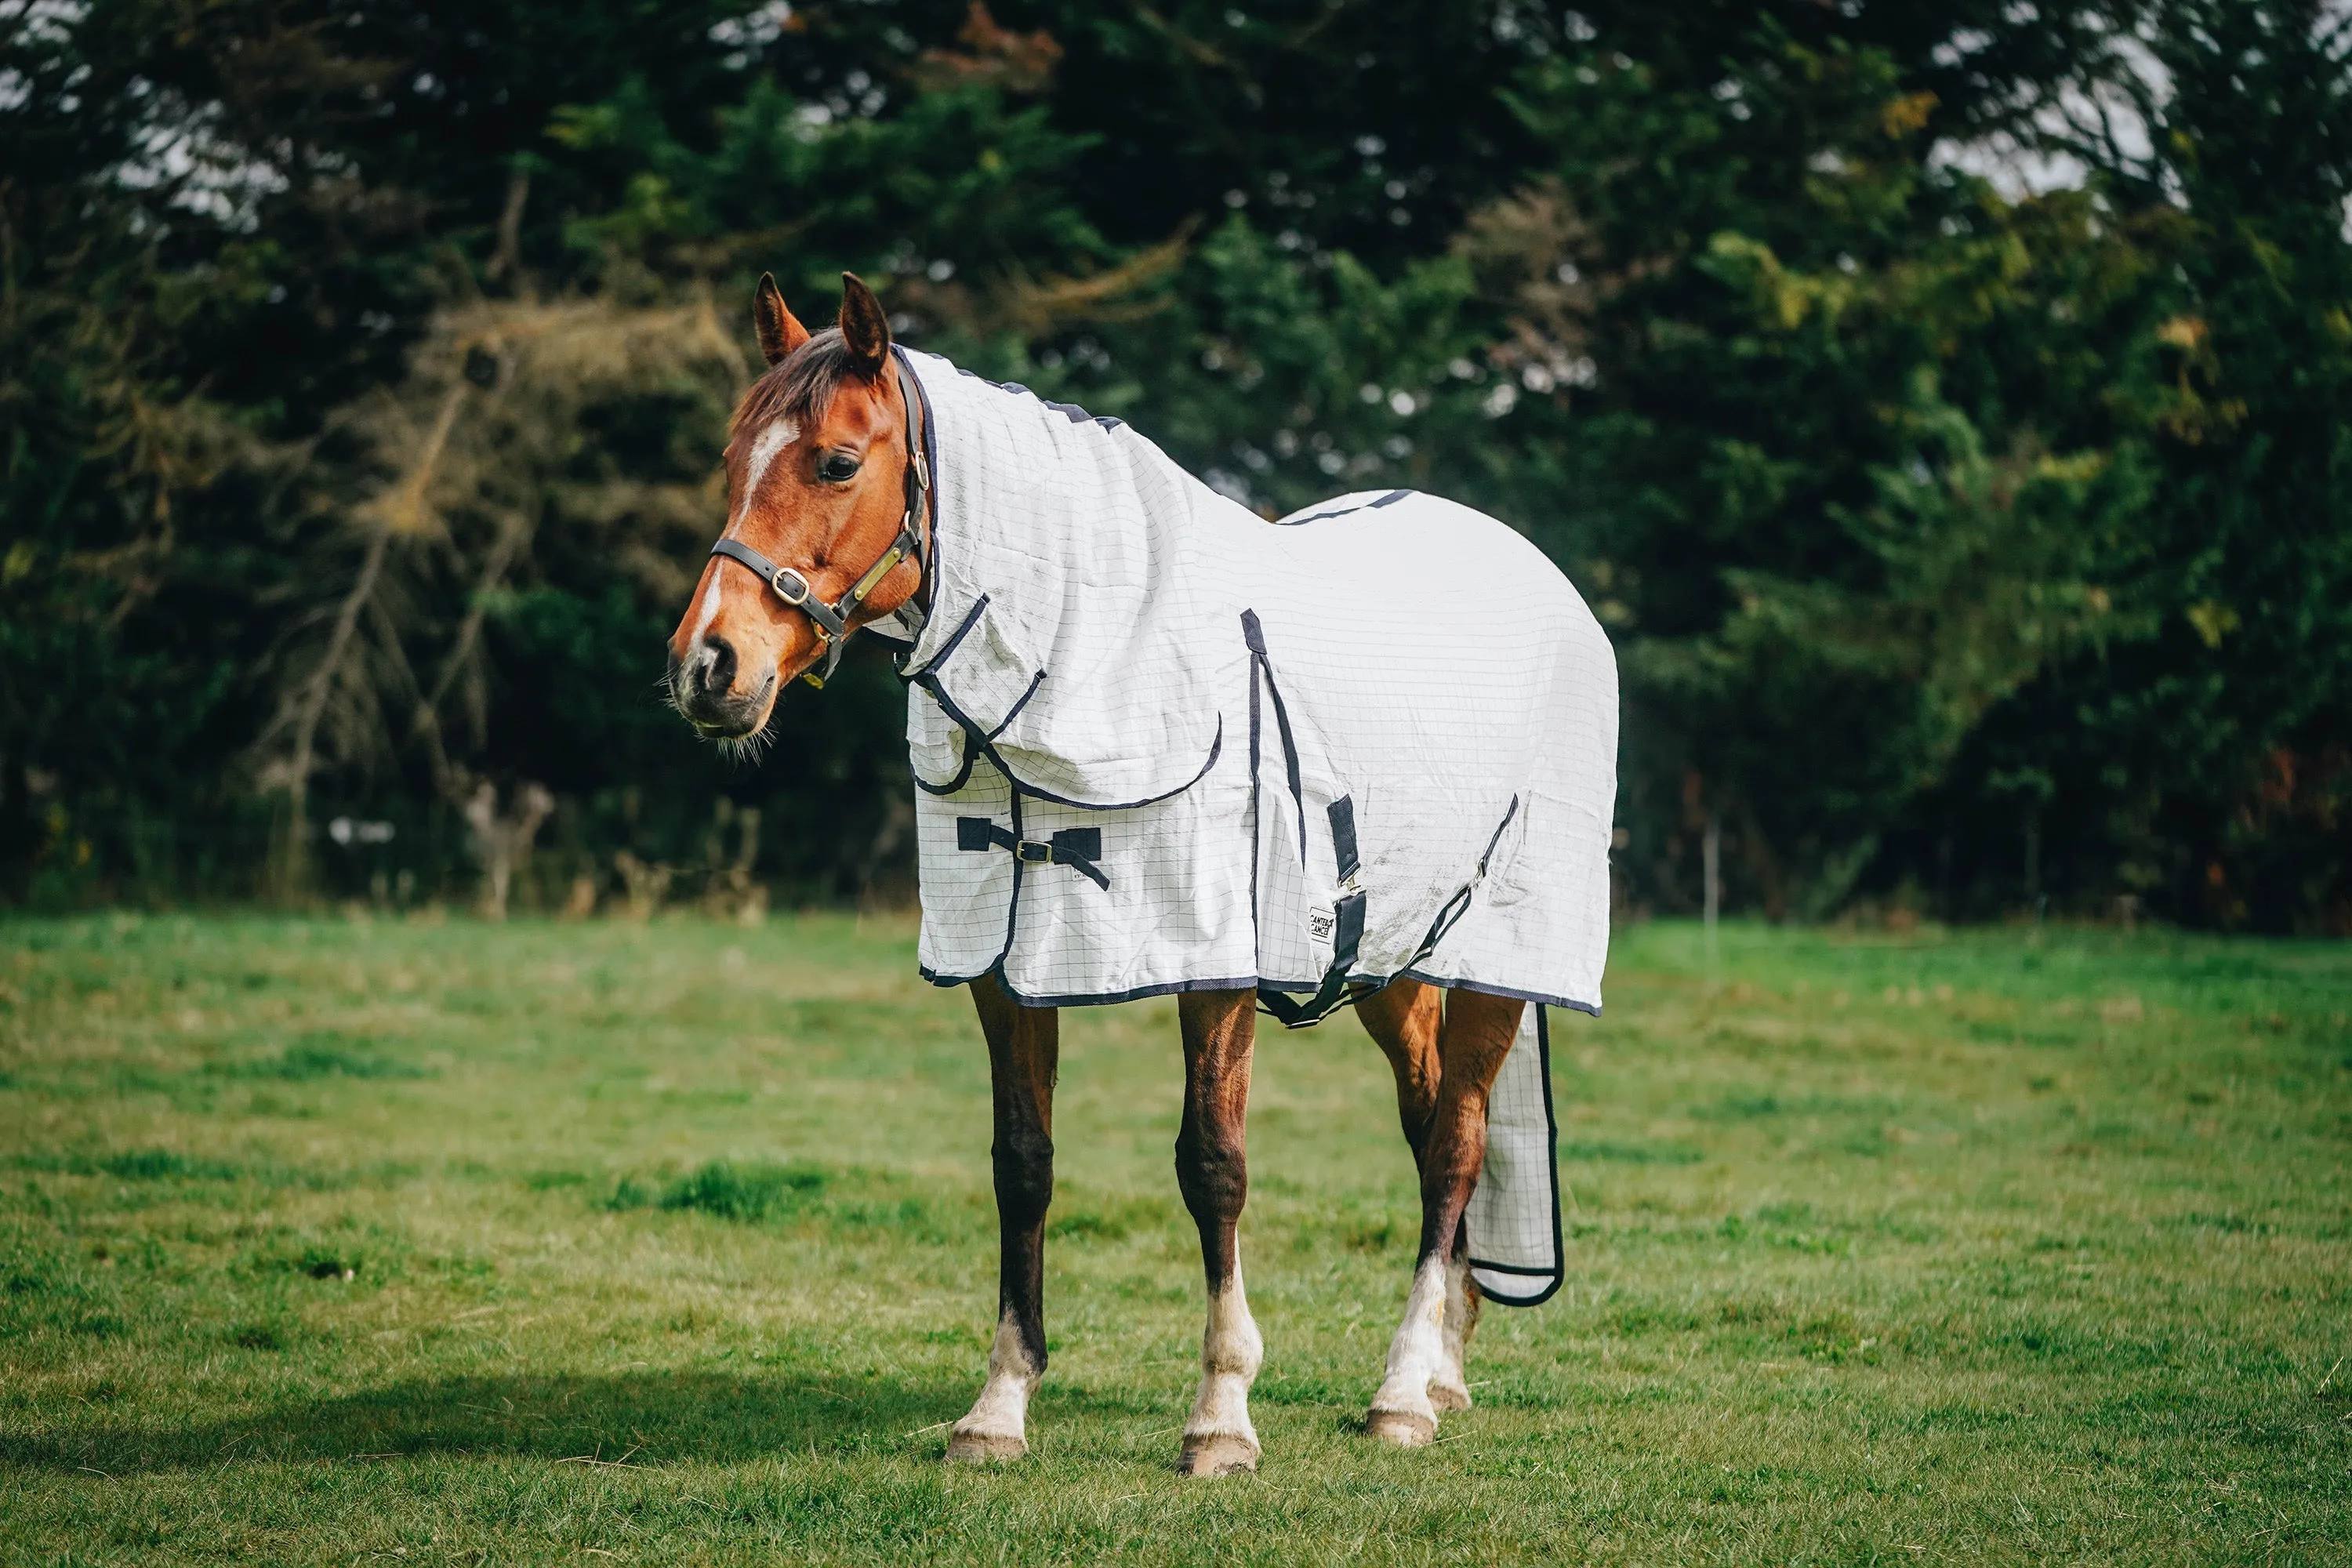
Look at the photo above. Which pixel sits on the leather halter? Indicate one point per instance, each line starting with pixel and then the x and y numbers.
pixel 831 622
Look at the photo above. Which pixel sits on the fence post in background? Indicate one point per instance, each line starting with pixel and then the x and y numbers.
pixel 2034 860
pixel 1711 868
pixel 502 844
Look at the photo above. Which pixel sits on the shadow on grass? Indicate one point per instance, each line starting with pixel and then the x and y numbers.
pixel 646 1417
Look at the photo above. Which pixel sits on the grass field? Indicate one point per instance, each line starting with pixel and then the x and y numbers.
pixel 408 1242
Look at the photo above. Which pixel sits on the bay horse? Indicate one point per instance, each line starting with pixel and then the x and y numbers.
pixel 837 523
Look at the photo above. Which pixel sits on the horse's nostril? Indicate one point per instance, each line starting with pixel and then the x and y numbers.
pixel 714 666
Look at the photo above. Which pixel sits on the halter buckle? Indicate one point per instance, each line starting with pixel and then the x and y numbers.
pixel 797 595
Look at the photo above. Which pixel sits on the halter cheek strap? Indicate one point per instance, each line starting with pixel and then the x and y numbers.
pixel 791 585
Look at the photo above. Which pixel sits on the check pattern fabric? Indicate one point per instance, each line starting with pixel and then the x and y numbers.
pixel 1376 737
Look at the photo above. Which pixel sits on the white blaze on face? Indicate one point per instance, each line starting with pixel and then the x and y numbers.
pixel 710 606
pixel 779 435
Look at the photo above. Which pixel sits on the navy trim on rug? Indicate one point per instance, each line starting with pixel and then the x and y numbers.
pixel 1262 664
pixel 1548 1001
pixel 930 683
pixel 972 752
pixel 1257 820
pixel 1013 900
pixel 996 971
pixel 1022 785
pixel 954 639
pixel 1389 500
pixel 1015 712
pixel 930 468
pixel 975 744
pixel 1109 998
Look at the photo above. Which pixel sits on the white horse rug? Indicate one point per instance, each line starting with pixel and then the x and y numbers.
pixel 1163 745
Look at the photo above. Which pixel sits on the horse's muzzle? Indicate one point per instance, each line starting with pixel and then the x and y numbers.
pixel 702 686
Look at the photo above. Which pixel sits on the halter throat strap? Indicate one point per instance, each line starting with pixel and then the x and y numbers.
pixel 791 585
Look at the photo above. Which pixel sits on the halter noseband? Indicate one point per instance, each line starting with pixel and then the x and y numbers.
pixel 791 585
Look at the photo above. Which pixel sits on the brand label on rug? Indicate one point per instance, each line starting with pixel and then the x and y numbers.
pixel 1320 923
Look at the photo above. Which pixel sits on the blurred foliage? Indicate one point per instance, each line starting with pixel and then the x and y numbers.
pixel 1944 407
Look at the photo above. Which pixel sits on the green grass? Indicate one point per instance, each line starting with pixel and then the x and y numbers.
pixel 607 1243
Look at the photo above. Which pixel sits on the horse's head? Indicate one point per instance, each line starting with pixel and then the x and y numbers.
pixel 817 485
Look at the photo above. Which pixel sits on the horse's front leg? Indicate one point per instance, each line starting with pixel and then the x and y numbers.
pixel 1213 1172
pixel 1472 1042
pixel 1023 1053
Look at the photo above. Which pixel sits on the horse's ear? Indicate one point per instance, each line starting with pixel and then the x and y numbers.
pixel 864 328
pixel 780 333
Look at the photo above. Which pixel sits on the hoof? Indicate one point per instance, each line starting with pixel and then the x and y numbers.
pixel 1448 1397
pixel 1402 1428
pixel 1217 1454
pixel 983 1447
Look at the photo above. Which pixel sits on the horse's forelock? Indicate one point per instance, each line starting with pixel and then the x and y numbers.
pixel 798 387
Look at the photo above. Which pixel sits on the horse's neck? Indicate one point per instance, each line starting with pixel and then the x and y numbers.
pixel 1022 490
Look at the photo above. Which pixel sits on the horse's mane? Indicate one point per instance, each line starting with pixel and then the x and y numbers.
pixel 798 387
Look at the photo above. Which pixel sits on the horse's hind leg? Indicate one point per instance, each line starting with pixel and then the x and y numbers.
pixel 1024 1053
pixel 1213 1172
pixel 1449 1388
pixel 1472 1041
pixel 1403 1019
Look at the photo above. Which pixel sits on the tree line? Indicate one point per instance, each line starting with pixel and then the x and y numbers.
pixel 1947 409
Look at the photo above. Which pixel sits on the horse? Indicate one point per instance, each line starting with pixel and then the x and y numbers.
pixel 1077 654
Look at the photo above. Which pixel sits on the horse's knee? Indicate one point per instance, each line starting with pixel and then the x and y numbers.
pixel 1212 1173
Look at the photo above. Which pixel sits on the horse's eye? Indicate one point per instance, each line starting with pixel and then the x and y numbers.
pixel 837 467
